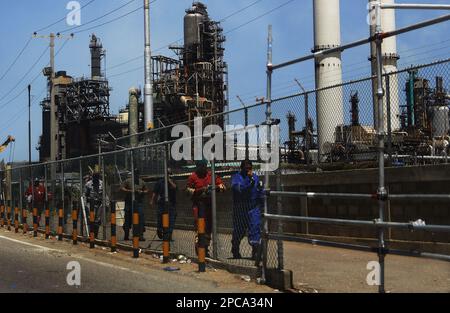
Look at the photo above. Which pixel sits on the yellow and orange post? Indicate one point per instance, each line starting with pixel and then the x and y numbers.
pixel 91 227
pixel 35 222
pixel 166 237
pixel 24 221
pixel 60 224
pixel 74 224
pixel 136 235
pixel 2 215
pixel 201 226
pixel 47 222
pixel 16 220
pixel 8 216
pixel 113 228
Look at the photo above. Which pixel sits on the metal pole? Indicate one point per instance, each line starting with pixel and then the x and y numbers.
pixel 214 209
pixel 83 208
pixel 63 194
pixel 389 121
pixel 416 6
pixel 381 134
pixel 266 172
pixel 29 124
pixel 148 88
pixel 20 195
pixel 280 250
pixel 103 198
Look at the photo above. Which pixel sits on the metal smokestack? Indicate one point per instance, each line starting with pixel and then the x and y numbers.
pixel 96 57
pixel 328 71
pixel 148 88
pixel 133 115
pixel 390 58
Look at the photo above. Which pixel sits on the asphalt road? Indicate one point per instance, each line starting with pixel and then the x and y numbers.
pixel 34 265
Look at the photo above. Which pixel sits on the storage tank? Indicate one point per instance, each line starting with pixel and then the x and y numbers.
pixel 441 123
pixel 194 17
pixel 328 71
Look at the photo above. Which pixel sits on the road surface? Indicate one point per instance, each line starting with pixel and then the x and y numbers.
pixel 36 265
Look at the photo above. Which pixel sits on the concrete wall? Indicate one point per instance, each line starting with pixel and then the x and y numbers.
pixel 423 179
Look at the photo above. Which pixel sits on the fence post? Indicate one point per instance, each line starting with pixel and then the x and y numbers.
pixel 8 216
pixel 134 215
pixel 2 215
pixel 60 224
pixel 214 209
pixel 23 222
pixel 280 250
pixel 103 198
pixel 201 245
pixel 388 116
pixel 46 205
pixel 63 198
pixel 166 213
pixel 382 194
pixel 113 227
pixel 35 222
pixel 74 223
pixel 91 225
pixel 16 219
pixel 307 147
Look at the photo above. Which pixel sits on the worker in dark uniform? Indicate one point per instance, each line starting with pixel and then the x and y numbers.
pixel 159 199
pixel 140 191
pixel 93 192
pixel 199 187
pixel 35 196
pixel 248 196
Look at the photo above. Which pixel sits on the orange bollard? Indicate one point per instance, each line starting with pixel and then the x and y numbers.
pixel 201 244
pixel 91 227
pixel 113 228
pixel 60 224
pixel 16 220
pixel 136 235
pixel 74 226
pixel 47 223
pixel 8 216
pixel 2 216
pixel 166 242
pixel 24 221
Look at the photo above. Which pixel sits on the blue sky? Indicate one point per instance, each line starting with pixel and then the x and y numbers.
pixel 245 48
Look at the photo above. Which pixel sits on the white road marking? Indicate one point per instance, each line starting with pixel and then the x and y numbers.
pixel 46 249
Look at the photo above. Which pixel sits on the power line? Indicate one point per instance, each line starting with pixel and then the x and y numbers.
pixel 239 11
pixel 26 74
pixel 98 18
pixel 63 18
pixel 260 16
pixel 114 19
pixel 16 59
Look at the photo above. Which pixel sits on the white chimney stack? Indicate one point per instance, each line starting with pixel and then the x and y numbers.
pixel 328 71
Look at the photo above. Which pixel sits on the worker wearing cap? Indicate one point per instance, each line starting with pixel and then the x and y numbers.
pixel 93 191
pixel 199 187
pixel 248 196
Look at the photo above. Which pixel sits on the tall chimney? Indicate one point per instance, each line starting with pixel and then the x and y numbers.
pixel 96 57
pixel 133 115
pixel 328 71
pixel 390 58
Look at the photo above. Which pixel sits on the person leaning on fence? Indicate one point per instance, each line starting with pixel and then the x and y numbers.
pixel 37 191
pixel 140 191
pixel 159 199
pixel 93 192
pixel 248 193
pixel 199 187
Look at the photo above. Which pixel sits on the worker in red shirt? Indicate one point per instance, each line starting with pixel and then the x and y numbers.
pixel 37 191
pixel 199 187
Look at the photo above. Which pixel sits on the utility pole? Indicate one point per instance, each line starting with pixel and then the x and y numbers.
pixel 29 125
pixel 50 73
pixel 148 88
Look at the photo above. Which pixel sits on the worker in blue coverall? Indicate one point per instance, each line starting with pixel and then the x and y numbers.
pixel 248 196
